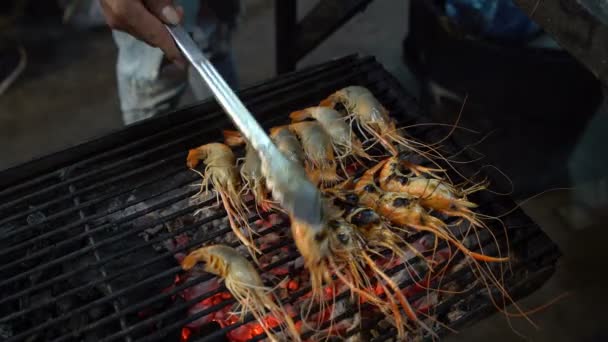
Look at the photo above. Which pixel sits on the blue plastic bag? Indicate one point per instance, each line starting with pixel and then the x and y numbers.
pixel 497 19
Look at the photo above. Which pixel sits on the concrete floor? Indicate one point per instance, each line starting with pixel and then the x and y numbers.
pixel 68 95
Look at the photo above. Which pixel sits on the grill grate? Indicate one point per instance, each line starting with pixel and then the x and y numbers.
pixel 81 251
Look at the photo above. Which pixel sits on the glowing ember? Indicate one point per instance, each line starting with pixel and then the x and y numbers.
pixel 293 285
pixel 185 334
pixel 250 330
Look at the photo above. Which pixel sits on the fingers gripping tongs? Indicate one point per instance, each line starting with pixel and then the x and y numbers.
pixel 286 179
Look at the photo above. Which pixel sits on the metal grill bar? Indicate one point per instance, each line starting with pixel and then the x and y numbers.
pixel 104 242
pixel 95 188
pixel 168 294
pixel 147 243
pixel 133 159
pixel 84 220
pixel 102 270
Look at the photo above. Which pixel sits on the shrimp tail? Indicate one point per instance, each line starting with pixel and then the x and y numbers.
pixel 233 138
pixel 299 115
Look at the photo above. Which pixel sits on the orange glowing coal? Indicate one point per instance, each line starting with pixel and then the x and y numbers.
pixel 185 334
pixel 253 329
pixel 293 285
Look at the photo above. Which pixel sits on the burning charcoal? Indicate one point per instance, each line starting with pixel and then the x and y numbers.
pixel 66 304
pixel 40 299
pixel 357 337
pixel 115 204
pixel 205 330
pixel 114 265
pixel 97 312
pixel 151 232
pixel 455 315
pixel 77 322
pixel 201 198
pixel 36 217
pixel 155 325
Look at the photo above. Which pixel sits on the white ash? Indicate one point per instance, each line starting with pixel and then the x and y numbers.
pixel 36 217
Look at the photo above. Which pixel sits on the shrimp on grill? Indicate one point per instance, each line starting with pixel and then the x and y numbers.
pixel 244 283
pixel 404 210
pixel 434 193
pixel 363 107
pixel 366 189
pixel 251 170
pixel 321 165
pixel 288 144
pixel 345 143
pixel 374 230
pixel 338 248
pixel 220 172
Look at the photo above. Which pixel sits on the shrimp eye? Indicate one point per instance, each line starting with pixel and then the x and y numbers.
pixel 401 202
pixel 369 188
pixel 402 180
pixel 365 217
pixel 352 198
pixel 343 238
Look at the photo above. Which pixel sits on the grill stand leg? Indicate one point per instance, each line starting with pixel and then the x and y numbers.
pixel 294 39
pixel 285 16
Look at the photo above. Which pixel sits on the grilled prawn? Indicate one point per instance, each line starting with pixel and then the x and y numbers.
pixel 375 231
pixel 288 144
pixel 251 170
pixel 321 165
pixel 433 193
pixel 220 172
pixel 345 143
pixel 404 210
pixel 370 115
pixel 340 249
pixel 245 284
pixel 366 189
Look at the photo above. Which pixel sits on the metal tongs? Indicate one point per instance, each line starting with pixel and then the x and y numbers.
pixel 286 179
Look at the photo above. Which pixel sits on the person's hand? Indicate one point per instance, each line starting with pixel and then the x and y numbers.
pixel 144 20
